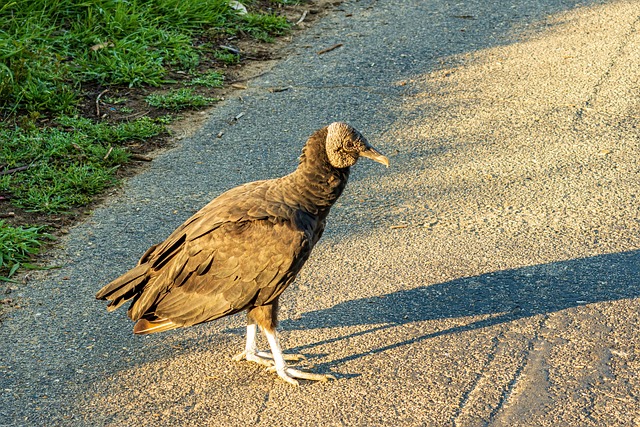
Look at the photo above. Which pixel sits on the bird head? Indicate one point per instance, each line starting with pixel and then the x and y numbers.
pixel 345 145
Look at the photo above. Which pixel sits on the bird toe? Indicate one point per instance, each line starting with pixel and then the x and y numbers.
pixel 258 358
pixel 289 357
pixel 240 356
pixel 283 373
pixel 289 374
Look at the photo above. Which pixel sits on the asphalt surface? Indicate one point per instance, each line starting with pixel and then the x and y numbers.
pixel 490 276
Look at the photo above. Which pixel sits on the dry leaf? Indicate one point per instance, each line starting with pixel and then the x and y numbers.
pixel 99 46
pixel 238 7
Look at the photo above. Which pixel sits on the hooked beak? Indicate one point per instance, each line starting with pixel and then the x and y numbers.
pixel 375 155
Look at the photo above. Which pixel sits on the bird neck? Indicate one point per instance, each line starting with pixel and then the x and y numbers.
pixel 318 184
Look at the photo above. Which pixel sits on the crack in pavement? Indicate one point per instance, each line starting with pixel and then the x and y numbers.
pixel 499 375
pixel 509 389
pixel 586 105
pixel 474 384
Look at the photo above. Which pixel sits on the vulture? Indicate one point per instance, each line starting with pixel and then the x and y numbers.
pixel 243 249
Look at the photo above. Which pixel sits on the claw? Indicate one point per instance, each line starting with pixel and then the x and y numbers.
pixel 240 356
pixel 266 358
pixel 283 374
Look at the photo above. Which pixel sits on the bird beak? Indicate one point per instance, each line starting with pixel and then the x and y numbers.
pixel 375 155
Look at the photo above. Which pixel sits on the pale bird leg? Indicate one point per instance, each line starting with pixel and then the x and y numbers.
pixel 280 366
pixel 252 354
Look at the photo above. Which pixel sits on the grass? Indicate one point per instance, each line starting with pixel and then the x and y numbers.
pixel 49 48
pixel 55 53
pixel 179 99
pixel 226 57
pixel 264 27
pixel 17 246
pixel 66 166
pixel 208 79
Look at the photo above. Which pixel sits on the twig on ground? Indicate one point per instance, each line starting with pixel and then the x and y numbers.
pixel 304 15
pixel 397 227
pixel 329 49
pixel 230 49
pixel 14 170
pixel 108 152
pixel 140 157
pixel 135 115
pixel 98 101
pixel 249 78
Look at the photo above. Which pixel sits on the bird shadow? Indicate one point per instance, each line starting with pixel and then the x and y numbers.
pixel 498 297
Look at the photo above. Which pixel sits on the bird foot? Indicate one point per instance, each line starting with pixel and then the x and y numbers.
pixel 291 357
pixel 289 375
pixel 265 358
pixel 254 357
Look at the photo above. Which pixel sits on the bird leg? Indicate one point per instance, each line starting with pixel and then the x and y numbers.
pixel 252 354
pixel 265 316
pixel 280 366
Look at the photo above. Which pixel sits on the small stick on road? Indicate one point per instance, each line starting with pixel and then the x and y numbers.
pixel 397 227
pixel 329 49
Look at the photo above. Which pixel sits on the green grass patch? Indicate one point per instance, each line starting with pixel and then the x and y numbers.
pixel 66 166
pixel 264 27
pixel 210 79
pixel 48 48
pixel 104 133
pixel 17 246
pixel 226 57
pixel 179 99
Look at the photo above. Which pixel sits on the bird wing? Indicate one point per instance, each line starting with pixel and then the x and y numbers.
pixel 224 272
pixel 248 202
pixel 231 254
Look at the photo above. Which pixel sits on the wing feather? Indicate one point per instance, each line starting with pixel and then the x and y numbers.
pixel 242 249
pixel 234 264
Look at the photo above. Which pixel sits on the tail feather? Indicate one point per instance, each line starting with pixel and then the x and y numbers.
pixel 124 287
pixel 144 326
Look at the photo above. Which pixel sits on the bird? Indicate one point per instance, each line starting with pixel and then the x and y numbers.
pixel 242 250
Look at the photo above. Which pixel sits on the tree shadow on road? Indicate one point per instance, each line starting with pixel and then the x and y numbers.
pixel 504 296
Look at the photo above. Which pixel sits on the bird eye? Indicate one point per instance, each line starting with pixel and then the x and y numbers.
pixel 351 145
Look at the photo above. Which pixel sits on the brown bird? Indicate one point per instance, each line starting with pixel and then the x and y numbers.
pixel 243 249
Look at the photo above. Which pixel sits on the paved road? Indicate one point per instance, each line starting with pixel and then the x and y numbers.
pixel 509 296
